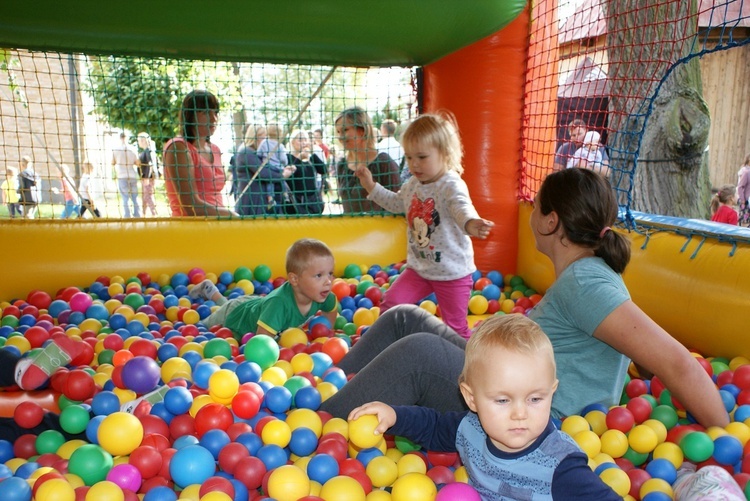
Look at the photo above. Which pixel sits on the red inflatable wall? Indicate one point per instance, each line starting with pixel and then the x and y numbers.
pixel 483 85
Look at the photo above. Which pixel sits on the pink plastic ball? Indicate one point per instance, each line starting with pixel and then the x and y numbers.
pixel 126 476
pixel 457 491
pixel 80 302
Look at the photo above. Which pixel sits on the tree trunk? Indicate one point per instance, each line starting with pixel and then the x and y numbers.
pixel 657 112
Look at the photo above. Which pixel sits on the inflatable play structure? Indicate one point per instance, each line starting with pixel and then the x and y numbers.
pixel 477 62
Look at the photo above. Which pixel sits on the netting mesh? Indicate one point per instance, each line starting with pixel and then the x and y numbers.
pixel 653 79
pixel 68 115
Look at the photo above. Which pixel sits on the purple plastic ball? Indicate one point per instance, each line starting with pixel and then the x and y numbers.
pixel 141 374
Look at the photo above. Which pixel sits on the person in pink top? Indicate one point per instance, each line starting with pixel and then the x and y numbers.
pixel 193 172
pixel 722 205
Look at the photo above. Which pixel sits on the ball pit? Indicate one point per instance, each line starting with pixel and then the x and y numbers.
pixel 242 418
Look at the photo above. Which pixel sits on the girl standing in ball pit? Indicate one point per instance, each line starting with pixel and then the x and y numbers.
pixel 193 172
pixel 440 217
pixel 408 356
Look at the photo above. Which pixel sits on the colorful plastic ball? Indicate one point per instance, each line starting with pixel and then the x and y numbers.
pixel 278 399
pixel 214 441
pixel 223 384
pixel 413 486
pixel 262 350
pixel 54 489
pixel 105 403
pixel 78 386
pixel 322 468
pixel 178 400
pixel 308 398
pixel 202 373
pixel 663 469
pixel 643 439
pixel 74 419
pixel 16 489
pixel 383 471
pixel 620 418
pixel 276 432
pixel 614 443
pixel 589 442
pixel 212 416
pixel 666 414
pixel 362 431
pixel 160 493
pixel 617 479
pixel 28 414
pixel 191 464
pixel 727 450
pixel 478 305
pixel 655 485
pixel 120 433
pixel 457 491
pixel 141 374
pixel 272 456
pixel 125 476
pixel 49 441
pixel 217 347
pixel 697 446
pixel 303 442
pixel 343 488
pixel 91 463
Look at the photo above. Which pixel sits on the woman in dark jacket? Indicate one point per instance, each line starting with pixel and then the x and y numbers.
pixel 305 182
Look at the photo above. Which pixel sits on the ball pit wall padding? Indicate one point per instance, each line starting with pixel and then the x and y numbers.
pixel 483 86
pixel 9 400
pixel 49 255
pixel 382 33
pixel 698 295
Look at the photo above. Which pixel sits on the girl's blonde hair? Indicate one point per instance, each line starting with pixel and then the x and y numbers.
pixel 275 131
pixel 514 332
pixel 357 117
pixel 251 135
pixel 439 131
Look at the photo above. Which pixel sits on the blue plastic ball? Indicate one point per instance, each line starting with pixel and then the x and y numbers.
pixel 272 456
pixel 321 363
pixel 304 442
pixel 185 441
pixel 160 410
pixel 366 455
pixel 97 311
pixel 167 351
pixel 202 373
pixel 727 450
pixel 179 279
pixel 191 464
pixel 248 372
pixel 92 429
pixel 56 307
pixel 742 413
pixel 318 320
pixel 193 358
pixel 728 400
pixel 26 469
pixel 214 441
pixel 251 441
pixel 160 493
pixel 105 403
pixel 495 277
pixel 663 469
pixel 348 303
pixel 178 400
pixel 322 467
pixel 336 376
pixel 307 398
pixel 491 291
pixel 278 399
pixel 16 489
pixel 6 451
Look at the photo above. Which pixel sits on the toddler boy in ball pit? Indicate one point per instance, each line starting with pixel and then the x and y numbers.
pixel 507 442
pixel 309 268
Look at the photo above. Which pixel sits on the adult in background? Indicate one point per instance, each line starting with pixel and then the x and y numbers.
pixel 126 163
pixel 29 186
pixel 409 356
pixel 576 132
pixel 147 172
pixel 304 181
pixel 743 192
pixel 193 172
pixel 390 145
pixel 249 197
pixel 358 137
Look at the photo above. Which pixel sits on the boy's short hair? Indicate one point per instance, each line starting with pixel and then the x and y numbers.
pixel 298 256
pixel 514 332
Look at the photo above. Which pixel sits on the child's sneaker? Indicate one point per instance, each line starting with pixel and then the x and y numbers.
pixel 33 371
pixel 204 290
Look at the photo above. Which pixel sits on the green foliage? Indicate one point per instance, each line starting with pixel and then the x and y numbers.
pixel 144 95
pixel 7 62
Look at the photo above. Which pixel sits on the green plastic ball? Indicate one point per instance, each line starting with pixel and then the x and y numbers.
pixel 63 402
pixel 405 445
pixel 105 357
pixel 262 273
pixel 262 350
pixel 74 419
pixel 295 383
pixel 350 329
pixel 636 458
pixel 352 271
pixel 363 286
pixel 49 441
pixel 9 320
pixel 217 347
pixel 666 414
pixel 134 300
pixel 243 273
pixel 91 463
pixel 339 323
pixel 697 446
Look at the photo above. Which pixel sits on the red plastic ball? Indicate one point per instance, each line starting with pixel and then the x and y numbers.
pixel 442 458
pixel 237 429
pixel 350 465
pixel 156 441
pixel 481 283
pixel 250 471
pixel 40 299
pixel 335 348
pixel 620 418
pixel 637 478
pixel 332 447
pixel 636 388
pixel 640 408
pixel 166 459
pixel 374 294
pixel 183 424
pixel 28 414
pixel 246 404
pixel 154 425
pixel 212 417
pixel 320 330
pixel 36 336
pixel 79 386
pixel 217 484
pixel 143 348
pixel 656 387
pixel 25 446
pixel 441 474
pixel 230 455
pixel 741 377
pixel 724 378
pixel 148 461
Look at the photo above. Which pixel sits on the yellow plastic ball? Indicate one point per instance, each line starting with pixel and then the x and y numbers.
pixel 55 489
pixel 286 367
pixel 115 289
pixel 738 361
pixel 362 431
pixel 656 485
pixel 337 425
pixel 91 324
pixel 223 383
pixel 507 305
pixel 274 375
pixel 105 491
pixel 327 390
pixel 671 452
pixel 68 448
pixel 288 483
pixel 739 430
pixel 478 304
pixel 172 313
pixel 246 285
pixel 378 495
pixel 658 427
pixel 715 432
pixel 190 346
pixel 216 496
pixel 614 443
pixel 413 487
pixel 589 442
pixel 642 439
pixel 291 337
pixel 305 418
pixel 120 433
pixel 191 493
pixel 572 425
pixel 597 421
pixel 342 488
pixel 39 472
pixel 276 432
pixel 411 463
pixel 174 368
pixel 199 402
pixel 191 317
pixel 74 480
pixel 19 342
pixel 394 454
pixel 602 458
pixel 363 316
pixel 461 474
pixel 382 471
pixel 429 306
pixel 617 479
pixel 302 362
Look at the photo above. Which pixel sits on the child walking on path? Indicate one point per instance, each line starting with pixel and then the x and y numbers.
pixel 441 219
pixel 9 190
pixel 507 441
pixel 309 267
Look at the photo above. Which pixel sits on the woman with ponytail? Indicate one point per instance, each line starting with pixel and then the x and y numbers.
pixel 594 326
